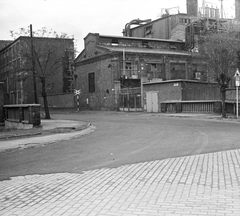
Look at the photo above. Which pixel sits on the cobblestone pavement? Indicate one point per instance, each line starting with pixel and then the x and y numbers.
pixel 207 184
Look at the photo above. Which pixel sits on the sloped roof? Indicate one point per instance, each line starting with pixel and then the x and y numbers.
pixel 141 38
pixel 144 50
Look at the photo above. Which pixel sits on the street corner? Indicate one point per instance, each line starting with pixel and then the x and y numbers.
pixel 50 137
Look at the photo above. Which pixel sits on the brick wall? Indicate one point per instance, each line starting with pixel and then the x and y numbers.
pixel 65 100
pixel 1 102
pixel 200 91
pixel 166 90
pixel 181 90
pixel 103 97
pixel 231 94
pixel 178 32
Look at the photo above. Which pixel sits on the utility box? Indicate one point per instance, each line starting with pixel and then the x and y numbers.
pixel 22 116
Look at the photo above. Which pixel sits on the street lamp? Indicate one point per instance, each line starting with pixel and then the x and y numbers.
pixel 237 83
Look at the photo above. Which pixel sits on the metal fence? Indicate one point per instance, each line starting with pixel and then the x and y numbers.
pixel 198 107
pixel 130 99
pixel 191 106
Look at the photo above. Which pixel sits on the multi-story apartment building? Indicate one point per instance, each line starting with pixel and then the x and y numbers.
pixel 19 58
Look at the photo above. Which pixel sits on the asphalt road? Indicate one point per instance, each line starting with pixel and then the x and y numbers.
pixel 119 139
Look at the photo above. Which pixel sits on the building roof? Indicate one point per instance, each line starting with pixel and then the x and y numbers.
pixel 160 18
pixel 178 80
pixel 4 43
pixel 144 50
pixel 141 38
pixel 34 38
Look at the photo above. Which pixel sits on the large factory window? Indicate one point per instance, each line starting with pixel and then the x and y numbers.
pixel 178 71
pixel 154 70
pixel 115 41
pixel 183 20
pixel 91 82
pixel 148 30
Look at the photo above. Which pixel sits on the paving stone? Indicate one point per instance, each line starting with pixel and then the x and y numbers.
pixel 206 184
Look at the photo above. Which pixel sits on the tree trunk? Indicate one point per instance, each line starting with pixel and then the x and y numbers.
pixel 44 95
pixel 223 92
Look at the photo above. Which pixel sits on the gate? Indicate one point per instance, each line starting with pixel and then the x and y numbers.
pixel 130 99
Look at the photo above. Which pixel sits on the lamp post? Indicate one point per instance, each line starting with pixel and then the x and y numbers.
pixel 237 83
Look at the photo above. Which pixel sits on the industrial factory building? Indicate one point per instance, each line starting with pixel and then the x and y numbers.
pixel 153 63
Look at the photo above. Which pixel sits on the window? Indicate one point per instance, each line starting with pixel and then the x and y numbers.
pixel 177 70
pixel 173 46
pixel 91 82
pixel 182 20
pixel 154 67
pixel 198 72
pixel 114 41
pixel 145 43
pixel 154 70
pixel 128 66
pixel 148 30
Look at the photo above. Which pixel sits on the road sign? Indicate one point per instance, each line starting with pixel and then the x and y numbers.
pixel 237 78
pixel 77 92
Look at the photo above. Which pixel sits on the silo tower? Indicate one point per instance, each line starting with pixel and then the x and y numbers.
pixel 237 10
pixel 192 8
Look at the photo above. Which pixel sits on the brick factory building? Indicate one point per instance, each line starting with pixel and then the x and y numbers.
pixel 16 69
pixel 110 67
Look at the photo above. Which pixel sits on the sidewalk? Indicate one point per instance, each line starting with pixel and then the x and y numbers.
pixel 50 131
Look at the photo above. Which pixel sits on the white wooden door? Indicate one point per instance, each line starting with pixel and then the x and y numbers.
pixel 152 101
pixel 149 101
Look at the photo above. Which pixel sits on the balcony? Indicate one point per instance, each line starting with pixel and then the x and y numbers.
pixel 131 74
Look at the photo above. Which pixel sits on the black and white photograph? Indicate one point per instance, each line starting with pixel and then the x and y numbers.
pixel 119 108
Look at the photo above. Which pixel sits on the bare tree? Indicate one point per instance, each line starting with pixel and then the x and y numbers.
pixel 46 64
pixel 221 51
pixel 42 57
pixel 43 32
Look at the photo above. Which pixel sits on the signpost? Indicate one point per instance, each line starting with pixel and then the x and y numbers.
pixel 77 93
pixel 237 84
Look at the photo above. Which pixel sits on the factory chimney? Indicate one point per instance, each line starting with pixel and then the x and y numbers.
pixel 192 7
pixel 237 10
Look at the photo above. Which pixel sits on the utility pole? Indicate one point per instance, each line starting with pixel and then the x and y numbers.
pixel 221 8
pixel 237 83
pixel 33 68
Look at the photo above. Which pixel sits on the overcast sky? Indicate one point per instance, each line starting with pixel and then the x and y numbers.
pixel 79 17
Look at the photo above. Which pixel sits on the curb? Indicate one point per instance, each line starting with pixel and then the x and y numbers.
pixel 47 138
pixel 46 132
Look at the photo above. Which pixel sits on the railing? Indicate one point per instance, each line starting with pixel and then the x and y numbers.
pixel 131 74
pixel 136 90
pixel 136 74
pixel 203 106
pixel 198 106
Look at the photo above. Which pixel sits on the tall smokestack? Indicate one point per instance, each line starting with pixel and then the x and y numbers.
pixel 237 10
pixel 192 7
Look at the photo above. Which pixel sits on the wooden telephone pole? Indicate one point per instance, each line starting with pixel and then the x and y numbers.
pixel 33 68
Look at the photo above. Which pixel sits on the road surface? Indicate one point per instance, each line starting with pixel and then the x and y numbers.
pixel 119 139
